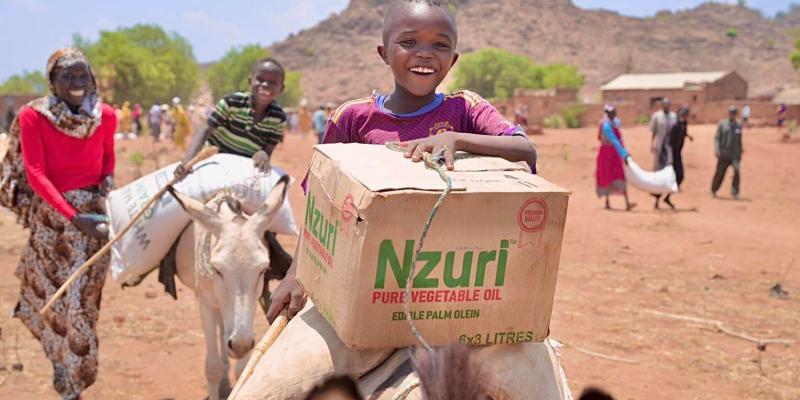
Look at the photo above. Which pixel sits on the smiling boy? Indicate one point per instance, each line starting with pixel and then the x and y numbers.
pixel 419 45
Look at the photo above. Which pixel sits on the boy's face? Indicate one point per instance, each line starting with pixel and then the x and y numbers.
pixel 419 46
pixel 266 82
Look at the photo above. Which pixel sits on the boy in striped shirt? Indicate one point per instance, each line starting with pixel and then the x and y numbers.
pixel 250 124
pixel 246 124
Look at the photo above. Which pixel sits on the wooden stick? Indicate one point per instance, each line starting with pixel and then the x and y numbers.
pixel 266 342
pixel 720 326
pixel 204 154
pixel 600 355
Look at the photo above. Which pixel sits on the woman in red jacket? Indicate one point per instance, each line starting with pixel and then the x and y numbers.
pixel 58 168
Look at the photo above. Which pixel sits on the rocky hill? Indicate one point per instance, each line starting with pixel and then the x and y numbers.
pixel 338 59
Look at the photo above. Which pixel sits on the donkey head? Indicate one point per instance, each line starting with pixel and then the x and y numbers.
pixel 234 261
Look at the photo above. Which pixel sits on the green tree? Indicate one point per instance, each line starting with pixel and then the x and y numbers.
pixel 495 74
pixel 28 82
pixel 562 76
pixel 293 92
pixel 232 73
pixel 142 64
pixel 795 56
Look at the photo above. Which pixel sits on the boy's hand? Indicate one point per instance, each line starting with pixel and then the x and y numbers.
pixel 181 171
pixel 446 141
pixel 261 161
pixel 288 293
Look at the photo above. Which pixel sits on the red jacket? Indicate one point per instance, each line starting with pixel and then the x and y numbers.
pixel 56 163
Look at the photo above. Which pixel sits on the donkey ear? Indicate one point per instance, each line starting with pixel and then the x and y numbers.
pixel 198 211
pixel 267 211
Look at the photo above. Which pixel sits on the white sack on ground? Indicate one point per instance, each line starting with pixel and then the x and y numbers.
pixel 144 246
pixel 658 182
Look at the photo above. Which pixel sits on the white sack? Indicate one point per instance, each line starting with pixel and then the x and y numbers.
pixel 146 244
pixel 658 182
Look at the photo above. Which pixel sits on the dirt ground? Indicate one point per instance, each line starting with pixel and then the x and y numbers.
pixel 714 258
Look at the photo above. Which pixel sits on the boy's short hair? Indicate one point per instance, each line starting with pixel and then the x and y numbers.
pixel 443 4
pixel 269 60
pixel 432 3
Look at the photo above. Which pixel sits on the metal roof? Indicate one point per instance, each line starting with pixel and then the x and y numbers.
pixel 677 80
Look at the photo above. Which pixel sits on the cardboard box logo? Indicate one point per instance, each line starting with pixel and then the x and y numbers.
pixel 387 259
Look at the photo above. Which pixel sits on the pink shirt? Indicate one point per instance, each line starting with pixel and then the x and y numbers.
pixel 56 163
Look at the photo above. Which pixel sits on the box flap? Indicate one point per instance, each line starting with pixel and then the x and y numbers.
pixel 379 168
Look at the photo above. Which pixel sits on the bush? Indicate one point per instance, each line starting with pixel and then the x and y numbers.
pixel 495 74
pixel 572 116
pixel 794 57
pixel 562 76
pixel 732 33
pixel 142 64
pixel 643 120
pixel 32 82
pixel 292 93
pixel 554 121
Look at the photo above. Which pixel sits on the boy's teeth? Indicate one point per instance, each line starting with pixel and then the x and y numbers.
pixel 422 70
pixel 77 92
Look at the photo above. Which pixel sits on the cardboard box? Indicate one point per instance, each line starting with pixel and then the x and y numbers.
pixel 487 273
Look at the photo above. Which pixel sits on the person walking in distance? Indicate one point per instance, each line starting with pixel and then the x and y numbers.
pixel 728 149
pixel 660 124
pixel 610 173
pixel 677 137
pixel 154 121
pixel 319 119
pixel 746 116
pixel 780 115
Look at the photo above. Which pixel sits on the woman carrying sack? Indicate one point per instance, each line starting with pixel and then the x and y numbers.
pixel 54 178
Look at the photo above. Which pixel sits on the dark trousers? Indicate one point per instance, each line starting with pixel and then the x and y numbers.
pixel 722 168
pixel 279 263
pixel 677 164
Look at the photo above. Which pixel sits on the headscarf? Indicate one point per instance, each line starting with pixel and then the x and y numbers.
pixel 85 122
pixel 15 192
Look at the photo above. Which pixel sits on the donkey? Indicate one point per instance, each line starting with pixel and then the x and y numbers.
pixel 222 257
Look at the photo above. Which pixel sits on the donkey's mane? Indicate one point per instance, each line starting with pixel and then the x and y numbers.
pixel 449 373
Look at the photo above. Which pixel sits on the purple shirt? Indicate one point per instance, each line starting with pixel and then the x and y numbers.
pixel 367 121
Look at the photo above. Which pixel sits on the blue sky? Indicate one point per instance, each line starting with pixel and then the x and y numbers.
pixel 641 8
pixel 31 29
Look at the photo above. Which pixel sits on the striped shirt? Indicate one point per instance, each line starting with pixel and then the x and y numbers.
pixel 235 130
